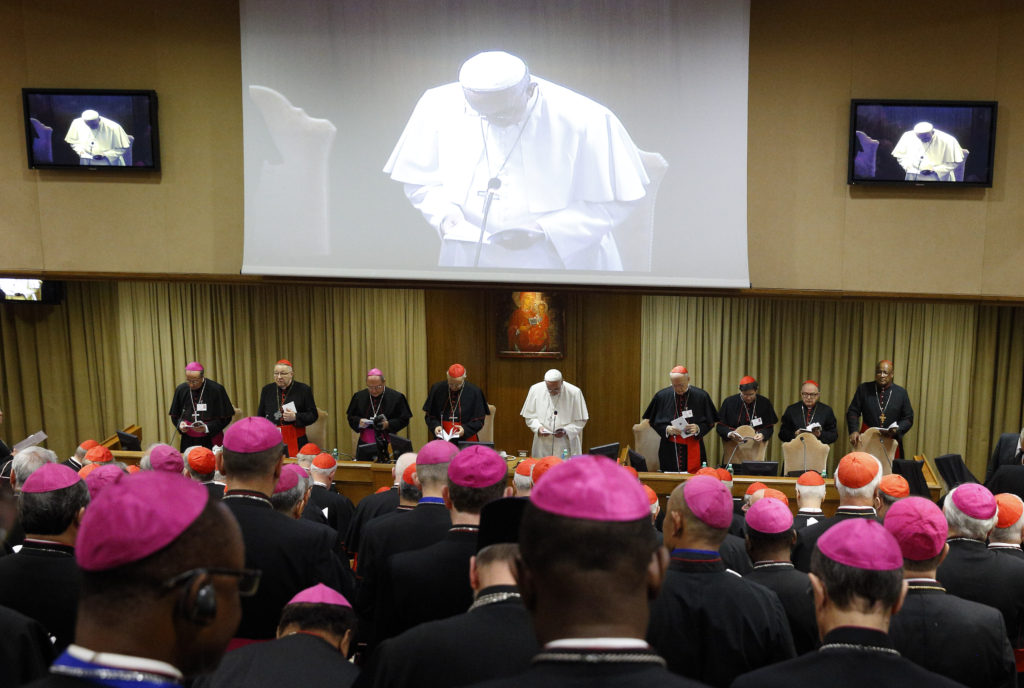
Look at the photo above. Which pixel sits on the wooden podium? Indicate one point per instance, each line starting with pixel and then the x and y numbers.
pixel 805 452
pixel 879 446
pixel 747 450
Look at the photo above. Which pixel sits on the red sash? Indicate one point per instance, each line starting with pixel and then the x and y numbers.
pixel 448 425
pixel 290 436
pixel 897 455
pixel 1018 656
pixel 692 452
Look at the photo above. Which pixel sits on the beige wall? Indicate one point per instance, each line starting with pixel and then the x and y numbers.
pixel 807 229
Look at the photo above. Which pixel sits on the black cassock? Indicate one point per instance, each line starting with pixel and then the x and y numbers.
pixel 850 657
pixel 733 413
pixel 870 403
pixel 42 582
pixel 369 508
pixel 794 590
pixel 665 407
pixel 712 625
pixel 492 640
pixel 468 408
pixel 796 416
pixel 594 668
pixel 392 404
pixel 807 538
pixel 957 638
pixel 26 652
pixel 217 415
pixel 339 508
pixel 272 398
pixel 294 660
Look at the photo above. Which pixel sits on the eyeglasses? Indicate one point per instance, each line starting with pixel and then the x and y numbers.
pixel 281 374
pixel 374 387
pixel 248 579
pixel 808 394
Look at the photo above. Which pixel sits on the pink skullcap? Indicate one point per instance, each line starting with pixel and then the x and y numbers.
pixel 754 487
pixel 652 496
pixel 88 444
pixel 200 460
pixel 50 477
pixel 408 473
pixel 150 509
pixel 194 367
pixel 1010 509
pixel 863 544
pixel 374 372
pixel 325 461
pixel 679 370
pixel 287 481
pixel 309 449
pixel 894 485
pixel 456 370
pixel 525 466
pixel 320 594
pixel 724 475
pixel 918 526
pixel 166 458
pixel 769 516
pixel 591 488
pixel 857 469
pixel 436 451
pixel 974 500
pixel 285 361
pixel 99 454
pixel 297 469
pixel 101 478
pixel 477 466
pixel 543 466
pixel 810 478
pixel 708 499
pixel 251 435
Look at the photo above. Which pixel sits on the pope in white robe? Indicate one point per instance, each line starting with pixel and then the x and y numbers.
pixel 555 412
pixel 553 171
pixel 927 154
pixel 98 140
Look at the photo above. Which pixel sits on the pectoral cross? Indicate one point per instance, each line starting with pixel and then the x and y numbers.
pixel 882 418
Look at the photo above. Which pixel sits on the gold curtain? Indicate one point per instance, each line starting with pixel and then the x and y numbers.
pixel 962 364
pixel 113 353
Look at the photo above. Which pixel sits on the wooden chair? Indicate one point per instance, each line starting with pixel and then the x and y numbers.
pixel 317 432
pixel 738 452
pixel 646 443
pixel 805 452
pixel 486 433
pixel 882 448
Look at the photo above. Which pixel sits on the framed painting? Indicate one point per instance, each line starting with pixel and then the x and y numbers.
pixel 531 324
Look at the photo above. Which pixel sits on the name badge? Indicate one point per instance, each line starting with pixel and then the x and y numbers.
pixel 200 407
pixel 755 422
pixel 687 414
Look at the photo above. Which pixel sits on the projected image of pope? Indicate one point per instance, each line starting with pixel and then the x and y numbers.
pixel 98 140
pixel 514 171
pixel 928 155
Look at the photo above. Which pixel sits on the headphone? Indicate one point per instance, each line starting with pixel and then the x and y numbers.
pixel 201 608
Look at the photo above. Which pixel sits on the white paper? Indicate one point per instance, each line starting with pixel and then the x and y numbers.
pixel 30 441
pixel 681 422
pixel 325 511
pixel 447 436
pixel 811 427
pixel 290 406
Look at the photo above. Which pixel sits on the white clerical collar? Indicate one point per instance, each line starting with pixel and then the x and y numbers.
pixel 1002 545
pixel 809 510
pixel 598 643
pixel 129 662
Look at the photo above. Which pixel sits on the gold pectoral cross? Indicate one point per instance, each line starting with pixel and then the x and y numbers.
pixel 882 418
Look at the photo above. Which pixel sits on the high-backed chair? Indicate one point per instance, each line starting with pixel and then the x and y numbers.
pixel 486 433
pixel 645 443
pixel 317 432
pixel 42 144
pixel 635 236
pixel 958 172
pixel 865 161
pixel 805 452
pixel 737 451
pixel 879 446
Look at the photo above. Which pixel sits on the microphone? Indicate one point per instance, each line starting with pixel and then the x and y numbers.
pixel 493 184
pixel 554 424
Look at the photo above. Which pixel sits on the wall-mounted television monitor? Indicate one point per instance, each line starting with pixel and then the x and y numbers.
pixel 950 143
pixel 30 290
pixel 91 128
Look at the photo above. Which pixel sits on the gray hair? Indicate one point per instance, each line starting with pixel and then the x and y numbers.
pixel 962 525
pixel 810 491
pixel 865 492
pixel 28 460
pixel 284 502
pixel 522 483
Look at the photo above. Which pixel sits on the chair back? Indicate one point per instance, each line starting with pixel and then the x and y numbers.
pixel 749 450
pixel 486 433
pixel 879 446
pixel 646 443
pixel 805 452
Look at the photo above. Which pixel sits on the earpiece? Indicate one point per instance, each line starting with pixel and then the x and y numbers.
pixel 200 608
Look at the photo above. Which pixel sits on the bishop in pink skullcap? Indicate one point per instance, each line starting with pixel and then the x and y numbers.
pixel 918 526
pixel 101 478
pixel 50 477
pixel 251 435
pixel 288 480
pixel 591 488
pixel 194 367
pixel 320 594
pixel 436 451
pixel 150 510
pixel 769 516
pixel 974 500
pixel 709 500
pixel 861 543
pixel 477 466
pixel 166 458
pixel 374 372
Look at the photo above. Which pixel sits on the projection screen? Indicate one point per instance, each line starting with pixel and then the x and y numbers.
pixel 551 142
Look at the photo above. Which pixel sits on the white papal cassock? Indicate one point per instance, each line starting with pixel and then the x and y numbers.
pixel 539 411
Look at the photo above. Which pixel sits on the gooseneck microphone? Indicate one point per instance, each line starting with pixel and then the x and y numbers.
pixel 492 186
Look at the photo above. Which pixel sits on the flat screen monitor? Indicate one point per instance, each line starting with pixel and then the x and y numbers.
pixel 609 450
pixel 637 461
pixel 400 445
pixel 463 445
pixel 23 290
pixel 96 129
pixel 366 452
pixel 941 143
pixel 764 468
pixel 129 442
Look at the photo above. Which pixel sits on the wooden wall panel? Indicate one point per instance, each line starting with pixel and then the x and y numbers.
pixel 602 358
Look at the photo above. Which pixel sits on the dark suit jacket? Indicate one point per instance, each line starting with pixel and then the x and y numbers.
pixel 957 638
pixel 42 582
pixel 294 660
pixel 292 554
pixel 491 641
pixel 1005 454
pixel 793 419
pixel 1007 478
